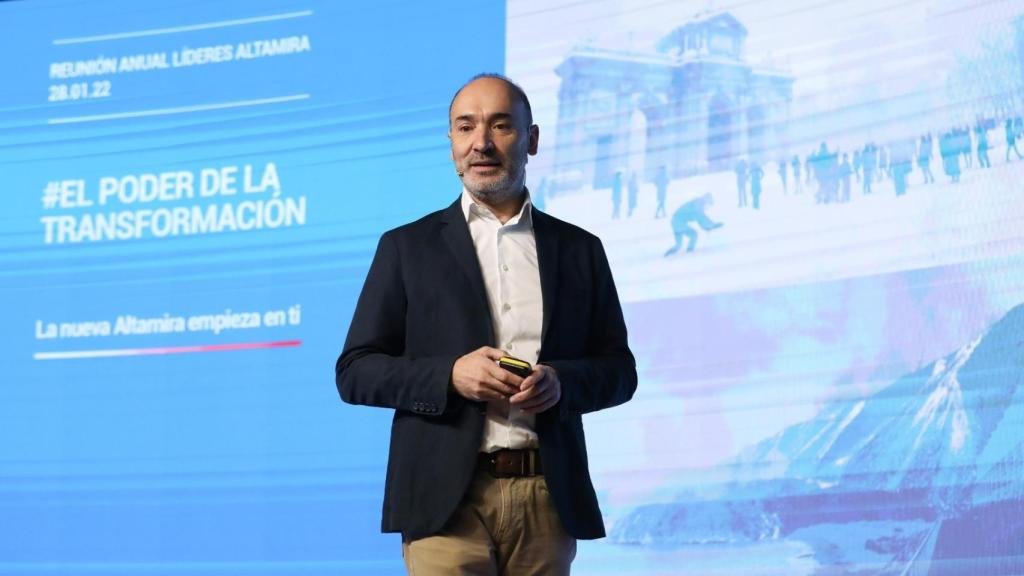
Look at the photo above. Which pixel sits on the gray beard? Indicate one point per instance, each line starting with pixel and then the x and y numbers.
pixel 499 192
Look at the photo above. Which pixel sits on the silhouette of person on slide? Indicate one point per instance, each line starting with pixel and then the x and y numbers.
pixel 691 212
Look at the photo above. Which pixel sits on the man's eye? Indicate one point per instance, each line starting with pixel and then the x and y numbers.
pixel 465 128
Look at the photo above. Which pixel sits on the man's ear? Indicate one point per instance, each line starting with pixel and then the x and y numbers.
pixel 534 140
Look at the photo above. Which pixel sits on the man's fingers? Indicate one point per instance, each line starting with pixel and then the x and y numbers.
pixel 540 403
pixel 543 401
pixel 504 376
pixel 489 388
pixel 495 383
pixel 527 393
pixel 499 386
pixel 492 353
pixel 538 396
pixel 531 380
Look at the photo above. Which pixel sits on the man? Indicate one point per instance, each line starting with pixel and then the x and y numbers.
pixel 694 211
pixel 924 158
pixel 950 155
pixel 633 194
pixel 616 194
pixel 661 185
pixel 741 181
pixel 981 130
pixel 756 176
pixel 782 175
pixel 870 159
pixel 1012 132
pixel 901 161
pixel 845 175
pixel 487 471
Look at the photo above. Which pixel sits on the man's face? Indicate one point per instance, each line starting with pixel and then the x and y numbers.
pixel 491 140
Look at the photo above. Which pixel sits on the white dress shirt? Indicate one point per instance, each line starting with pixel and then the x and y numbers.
pixel 508 261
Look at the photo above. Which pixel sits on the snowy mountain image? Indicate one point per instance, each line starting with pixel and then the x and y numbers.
pixel 924 473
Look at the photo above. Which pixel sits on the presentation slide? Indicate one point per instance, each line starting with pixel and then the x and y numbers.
pixel 814 213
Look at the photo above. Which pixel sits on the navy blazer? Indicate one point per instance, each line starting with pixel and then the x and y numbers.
pixel 423 306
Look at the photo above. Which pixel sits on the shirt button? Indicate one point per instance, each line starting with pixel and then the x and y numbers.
pixel 506 307
pixel 505 267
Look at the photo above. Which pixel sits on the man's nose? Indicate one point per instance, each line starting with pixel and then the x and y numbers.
pixel 482 141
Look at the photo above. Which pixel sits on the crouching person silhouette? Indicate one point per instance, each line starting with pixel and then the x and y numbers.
pixel 692 212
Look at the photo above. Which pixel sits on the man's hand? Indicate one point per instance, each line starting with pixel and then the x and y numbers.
pixel 539 391
pixel 476 376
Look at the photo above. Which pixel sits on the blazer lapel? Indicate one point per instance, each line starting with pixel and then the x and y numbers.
pixel 456 234
pixel 547 261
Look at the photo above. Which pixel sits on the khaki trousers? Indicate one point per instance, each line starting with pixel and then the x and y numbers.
pixel 503 527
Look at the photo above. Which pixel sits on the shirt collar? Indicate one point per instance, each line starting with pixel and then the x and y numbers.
pixel 471 209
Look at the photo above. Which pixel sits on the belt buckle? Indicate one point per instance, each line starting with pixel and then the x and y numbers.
pixel 502 465
pixel 492 461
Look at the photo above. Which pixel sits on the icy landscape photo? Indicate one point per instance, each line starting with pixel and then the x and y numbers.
pixel 813 214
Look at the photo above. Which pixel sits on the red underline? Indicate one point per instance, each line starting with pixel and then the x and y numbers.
pixel 118 352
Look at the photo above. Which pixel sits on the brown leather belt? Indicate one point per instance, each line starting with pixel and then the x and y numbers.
pixel 507 463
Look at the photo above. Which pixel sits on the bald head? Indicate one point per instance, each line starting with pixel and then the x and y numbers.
pixel 518 94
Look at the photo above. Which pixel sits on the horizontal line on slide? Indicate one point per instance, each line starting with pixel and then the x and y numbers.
pixel 116 352
pixel 177 29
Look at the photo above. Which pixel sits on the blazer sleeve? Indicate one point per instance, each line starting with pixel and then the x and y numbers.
pixel 373 368
pixel 606 376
